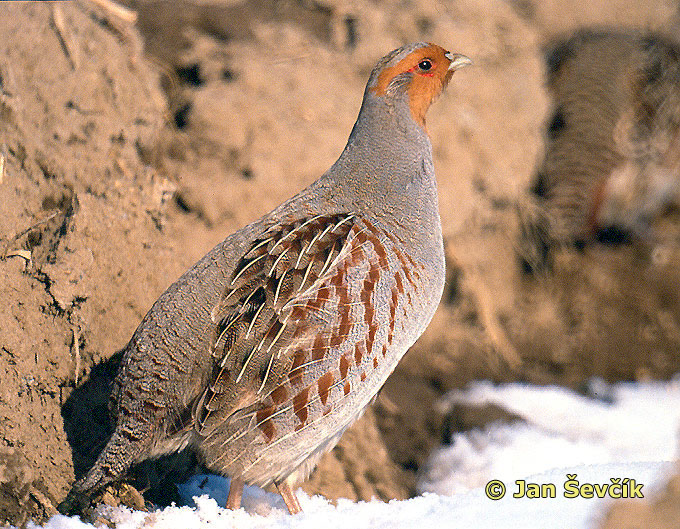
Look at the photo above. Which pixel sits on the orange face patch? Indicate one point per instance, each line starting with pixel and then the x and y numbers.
pixel 426 84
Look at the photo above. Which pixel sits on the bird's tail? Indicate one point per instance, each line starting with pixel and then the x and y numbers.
pixel 122 450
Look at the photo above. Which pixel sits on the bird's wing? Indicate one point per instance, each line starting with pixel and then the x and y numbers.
pixel 277 303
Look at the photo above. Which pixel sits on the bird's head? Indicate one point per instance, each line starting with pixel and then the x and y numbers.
pixel 416 73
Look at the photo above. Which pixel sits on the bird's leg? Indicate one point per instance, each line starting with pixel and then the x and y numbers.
pixel 235 494
pixel 289 497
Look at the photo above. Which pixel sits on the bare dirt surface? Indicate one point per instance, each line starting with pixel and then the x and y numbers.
pixel 128 150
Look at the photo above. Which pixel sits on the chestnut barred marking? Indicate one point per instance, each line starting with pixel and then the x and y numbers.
pixel 358 353
pixel 399 284
pixel 394 301
pixel 373 329
pixel 300 405
pixel 319 348
pixel 324 385
pixel 344 366
pixel 279 395
pixel 297 371
pixel 263 417
pixel 347 388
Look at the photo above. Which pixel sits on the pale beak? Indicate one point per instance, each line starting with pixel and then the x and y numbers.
pixel 457 61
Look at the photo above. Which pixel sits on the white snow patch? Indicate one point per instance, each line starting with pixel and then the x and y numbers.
pixel 637 422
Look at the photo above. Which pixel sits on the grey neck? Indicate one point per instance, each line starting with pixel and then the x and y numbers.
pixel 387 162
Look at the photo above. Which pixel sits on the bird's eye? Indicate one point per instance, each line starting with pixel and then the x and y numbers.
pixel 425 65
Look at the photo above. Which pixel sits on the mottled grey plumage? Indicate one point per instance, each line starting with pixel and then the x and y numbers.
pixel 267 349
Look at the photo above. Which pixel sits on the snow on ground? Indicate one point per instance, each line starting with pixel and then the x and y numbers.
pixel 626 437
pixel 626 423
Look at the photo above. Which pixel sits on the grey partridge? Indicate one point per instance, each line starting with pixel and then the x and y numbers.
pixel 611 161
pixel 265 351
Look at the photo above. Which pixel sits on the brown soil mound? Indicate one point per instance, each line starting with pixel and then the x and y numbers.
pixel 126 153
